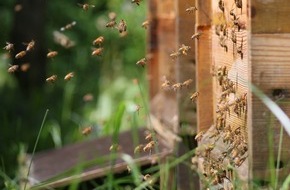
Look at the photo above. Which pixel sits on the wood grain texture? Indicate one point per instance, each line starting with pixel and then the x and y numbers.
pixel 203 67
pixel 270 16
pixel 270 71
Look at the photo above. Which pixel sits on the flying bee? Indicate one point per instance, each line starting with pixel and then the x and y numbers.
pixel 145 24
pixel 68 26
pixel 138 148
pixel 196 35
pixel 51 79
pixel 51 54
pixel 97 52
pixel 199 136
pixel 86 6
pixel 24 67
pixel 122 27
pixel 30 45
pixel 149 146
pixel 9 46
pixel 191 9
pixel 177 86
pixel 111 24
pixel 87 130
pixel 166 84
pixel 138 107
pixel 137 2
pixel 20 54
pixel 194 96
pixel 13 68
pixel 174 55
pixel 184 49
pixel 69 76
pixel 187 82
pixel 115 147
pixel 99 40
pixel 142 62
pixel 149 137
pixel 112 16
pixel 88 97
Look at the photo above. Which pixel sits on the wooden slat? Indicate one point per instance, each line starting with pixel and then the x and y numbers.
pixel 270 71
pixel 204 62
pixel 50 163
pixel 270 16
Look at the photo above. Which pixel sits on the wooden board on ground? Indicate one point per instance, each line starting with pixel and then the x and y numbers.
pixel 49 164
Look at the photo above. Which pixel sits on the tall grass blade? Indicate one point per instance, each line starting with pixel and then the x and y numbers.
pixel 273 107
pixel 135 170
pixel 34 148
pixel 286 183
pixel 279 157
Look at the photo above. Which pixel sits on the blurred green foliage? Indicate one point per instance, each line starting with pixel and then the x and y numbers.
pixel 107 78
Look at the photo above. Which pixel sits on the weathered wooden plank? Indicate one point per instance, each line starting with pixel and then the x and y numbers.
pixel 203 67
pixel 50 163
pixel 270 71
pixel 270 16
